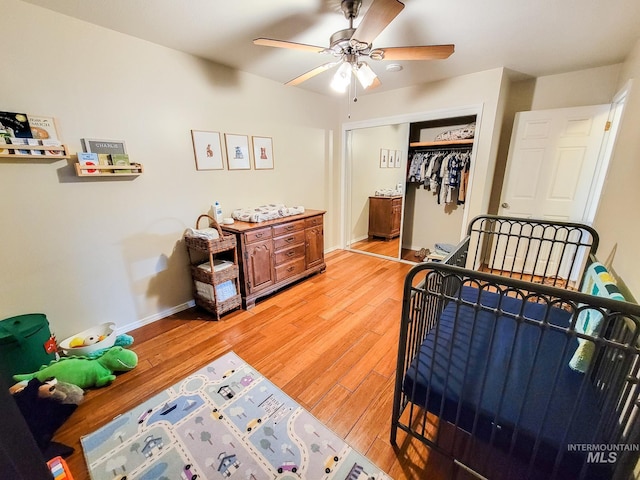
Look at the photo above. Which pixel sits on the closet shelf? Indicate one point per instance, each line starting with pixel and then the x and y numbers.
pixel 442 143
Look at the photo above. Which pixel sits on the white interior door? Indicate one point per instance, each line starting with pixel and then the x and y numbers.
pixel 552 160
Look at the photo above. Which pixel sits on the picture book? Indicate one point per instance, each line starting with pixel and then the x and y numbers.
pixel 88 159
pixel 52 143
pixel 16 124
pixel 43 127
pixel 34 141
pixel 19 141
pixel 120 160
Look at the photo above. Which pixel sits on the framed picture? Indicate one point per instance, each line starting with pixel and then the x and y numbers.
pixel 262 153
pixel 391 163
pixel 207 149
pixel 384 157
pixel 237 152
pixel 94 145
pixel 398 158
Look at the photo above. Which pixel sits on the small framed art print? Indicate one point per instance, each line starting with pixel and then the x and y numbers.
pixel 262 153
pixel 207 149
pixel 237 152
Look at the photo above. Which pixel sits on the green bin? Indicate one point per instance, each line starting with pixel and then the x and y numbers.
pixel 25 345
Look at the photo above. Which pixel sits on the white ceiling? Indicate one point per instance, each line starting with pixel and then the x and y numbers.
pixel 532 37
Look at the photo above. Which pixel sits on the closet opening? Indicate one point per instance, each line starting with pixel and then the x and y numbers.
pixel 439 159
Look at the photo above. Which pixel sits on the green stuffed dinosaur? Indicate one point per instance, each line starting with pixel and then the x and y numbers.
pixel 85 372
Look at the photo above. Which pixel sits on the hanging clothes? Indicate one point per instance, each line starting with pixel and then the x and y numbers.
pixel 444 172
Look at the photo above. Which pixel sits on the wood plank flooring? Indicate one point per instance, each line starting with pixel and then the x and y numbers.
pixel 329 342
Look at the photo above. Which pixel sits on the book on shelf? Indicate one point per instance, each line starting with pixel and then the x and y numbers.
pixel 34 151
pixel 88 159
pixel 120 160
pixel 103 159
pixel 19 141
pixel 46 142
pixel 43 127
pixel 16 124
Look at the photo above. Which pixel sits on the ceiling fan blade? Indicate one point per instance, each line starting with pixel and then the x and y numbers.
pixel 269 42
pixel 311 73
pixel 379 15
pixel 427 52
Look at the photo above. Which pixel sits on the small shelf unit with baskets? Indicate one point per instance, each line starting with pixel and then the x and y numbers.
pixel 45 152
pixel 214 267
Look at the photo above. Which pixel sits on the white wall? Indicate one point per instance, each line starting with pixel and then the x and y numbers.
pixel 592 86
pixel 86 251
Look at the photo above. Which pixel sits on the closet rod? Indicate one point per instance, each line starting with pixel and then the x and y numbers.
pixel 436 148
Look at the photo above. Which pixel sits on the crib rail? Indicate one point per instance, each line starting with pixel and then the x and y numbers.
pixel 540 251
pixel 479 439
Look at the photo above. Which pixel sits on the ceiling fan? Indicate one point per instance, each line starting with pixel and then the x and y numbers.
pixel 351 45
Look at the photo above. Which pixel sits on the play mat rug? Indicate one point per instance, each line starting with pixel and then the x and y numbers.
pixel 223 421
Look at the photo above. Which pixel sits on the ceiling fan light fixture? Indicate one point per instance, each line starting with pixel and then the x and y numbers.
pixel 364 74
pixel 342 78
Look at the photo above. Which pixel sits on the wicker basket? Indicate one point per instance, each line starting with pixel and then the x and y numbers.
pixel 225 242
pixel 221 307
pixel 229 273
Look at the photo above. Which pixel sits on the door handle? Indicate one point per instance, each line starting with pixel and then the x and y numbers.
pixel 505 205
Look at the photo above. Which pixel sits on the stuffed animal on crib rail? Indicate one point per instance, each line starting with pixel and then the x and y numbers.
pixel 86 372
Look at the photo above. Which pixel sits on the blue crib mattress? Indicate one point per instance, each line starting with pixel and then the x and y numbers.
pixel 482 368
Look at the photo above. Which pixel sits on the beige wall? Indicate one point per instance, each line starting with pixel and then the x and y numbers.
pixel 618 215
pixel 86 251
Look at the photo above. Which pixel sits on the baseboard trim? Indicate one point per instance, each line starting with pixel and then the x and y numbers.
pixel 155 317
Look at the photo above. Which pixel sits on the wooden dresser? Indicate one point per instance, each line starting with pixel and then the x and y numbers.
pixel 384 216
pixel 275 253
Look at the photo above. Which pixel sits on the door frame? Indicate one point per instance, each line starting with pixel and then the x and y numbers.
pixel 606 152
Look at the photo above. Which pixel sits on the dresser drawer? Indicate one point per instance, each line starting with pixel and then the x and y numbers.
pixel 288 240
pixel 258 235
pixel 289 254
pixel 289 269
pixel 313 221
pixel 289 227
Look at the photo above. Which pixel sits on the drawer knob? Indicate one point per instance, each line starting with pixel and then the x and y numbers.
pixel 291 253
pixel 289 227
pixel 289 240
pixel 291 269
pixel 259 235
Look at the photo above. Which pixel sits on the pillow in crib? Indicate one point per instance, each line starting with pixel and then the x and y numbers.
pixel 598 282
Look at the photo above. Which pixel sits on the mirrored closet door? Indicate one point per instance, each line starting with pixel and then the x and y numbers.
pixel 378 157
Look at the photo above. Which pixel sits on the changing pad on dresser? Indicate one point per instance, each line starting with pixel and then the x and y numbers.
pixel 265 212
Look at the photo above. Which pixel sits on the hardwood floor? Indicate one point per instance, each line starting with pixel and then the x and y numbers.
pixel 329 342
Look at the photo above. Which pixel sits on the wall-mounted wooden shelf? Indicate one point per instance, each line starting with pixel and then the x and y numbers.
pixel 442 143
pixel 109 170
pixel 64 152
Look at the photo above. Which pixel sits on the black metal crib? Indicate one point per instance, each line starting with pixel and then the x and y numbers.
pixel 487 338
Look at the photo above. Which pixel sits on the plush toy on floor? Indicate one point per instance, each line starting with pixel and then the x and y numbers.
pixel 86 372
